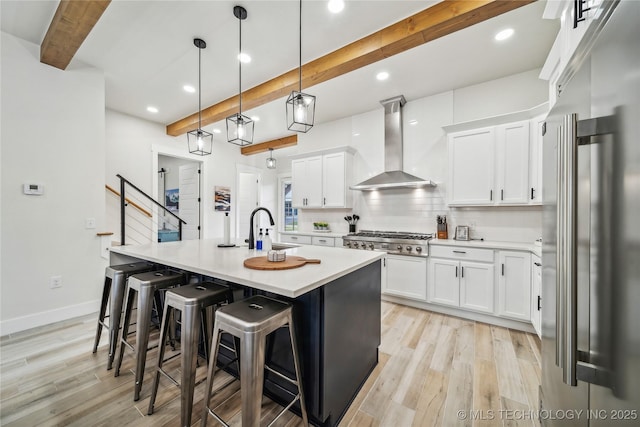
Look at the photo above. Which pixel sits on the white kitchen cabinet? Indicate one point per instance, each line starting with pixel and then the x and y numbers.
pixel 321 180
pixel 512 171
pixel 536 294
pixel 306 175
pixel 405 276
pixel 462 277
pixel 324 241
pixel 298 239
pixel 535 160
pixel 514 285
pixel 476 286
pixel 471 167
pixel 336 169
pixel 443 283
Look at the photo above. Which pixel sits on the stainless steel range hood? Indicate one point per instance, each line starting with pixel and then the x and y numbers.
pixel 394 176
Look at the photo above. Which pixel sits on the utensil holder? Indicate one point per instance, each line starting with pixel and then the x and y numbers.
pixel 352 228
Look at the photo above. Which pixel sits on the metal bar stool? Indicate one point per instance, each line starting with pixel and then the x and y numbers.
pixel 114 284
pixel 193 301
pixel 251 320
pixel 146 285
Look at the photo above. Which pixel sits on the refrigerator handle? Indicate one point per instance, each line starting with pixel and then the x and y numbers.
pixel 566 254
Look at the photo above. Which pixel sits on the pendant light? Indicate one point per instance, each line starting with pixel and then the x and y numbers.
pixel 199 141
pixel 301 107
pixel 271 162
pixel 239 126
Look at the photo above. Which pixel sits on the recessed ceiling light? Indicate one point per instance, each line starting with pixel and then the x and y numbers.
pixel 152 109
pixel 216 131
pixel 382 75
pixel 189 88
pixel 504 34
pixel 244 58
pixel 413 122
pixel 335 6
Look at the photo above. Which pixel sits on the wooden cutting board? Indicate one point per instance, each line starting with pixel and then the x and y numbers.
pixel 261 263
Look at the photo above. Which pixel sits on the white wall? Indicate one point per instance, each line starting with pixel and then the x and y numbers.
pixel 425 155
pixel 53 133
pixel 133 146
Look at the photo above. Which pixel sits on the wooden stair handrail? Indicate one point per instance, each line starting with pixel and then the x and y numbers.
pixel 131 202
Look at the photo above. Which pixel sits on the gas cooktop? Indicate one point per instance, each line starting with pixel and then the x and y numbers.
pixel 394 242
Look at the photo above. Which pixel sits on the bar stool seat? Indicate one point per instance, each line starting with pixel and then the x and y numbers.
pixel 146 285
pixel 113 295
pixel 251 320
pixel 194 301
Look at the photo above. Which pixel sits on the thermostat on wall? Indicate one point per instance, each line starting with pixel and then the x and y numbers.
pixel 33 189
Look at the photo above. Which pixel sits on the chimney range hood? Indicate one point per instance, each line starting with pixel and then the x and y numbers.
pixel 394 176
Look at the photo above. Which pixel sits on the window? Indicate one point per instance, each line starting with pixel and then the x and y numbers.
pixel 289 213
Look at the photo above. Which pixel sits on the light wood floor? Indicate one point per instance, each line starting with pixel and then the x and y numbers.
pixel 431 367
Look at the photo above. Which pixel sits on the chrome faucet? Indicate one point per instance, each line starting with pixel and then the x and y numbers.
pixel 251 242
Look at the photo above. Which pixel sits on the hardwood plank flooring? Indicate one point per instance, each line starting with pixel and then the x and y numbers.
pixel 431 366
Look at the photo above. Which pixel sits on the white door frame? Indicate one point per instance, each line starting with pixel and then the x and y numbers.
pixel 240 168
pixel 157 150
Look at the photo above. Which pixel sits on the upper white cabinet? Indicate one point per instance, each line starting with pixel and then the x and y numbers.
pixel 514 285
pixel 512 152
pixel 535 160
pixel 471 160
pixel 322 180
pixel 498 164
pixel 306 175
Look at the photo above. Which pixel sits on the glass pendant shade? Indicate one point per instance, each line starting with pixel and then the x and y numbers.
pixel 240 129
pixel 200 142
pixel 271 162
pixel 301 109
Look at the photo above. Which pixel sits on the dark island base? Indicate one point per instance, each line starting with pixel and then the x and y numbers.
pixel 338 330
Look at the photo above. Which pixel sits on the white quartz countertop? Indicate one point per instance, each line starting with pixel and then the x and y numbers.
pixel 315 233
pixel 487 244
pixel 205 257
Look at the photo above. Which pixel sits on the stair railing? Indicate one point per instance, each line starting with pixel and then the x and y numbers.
pixel 123 202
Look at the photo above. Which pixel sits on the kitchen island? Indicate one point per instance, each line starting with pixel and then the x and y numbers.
pixel 336 311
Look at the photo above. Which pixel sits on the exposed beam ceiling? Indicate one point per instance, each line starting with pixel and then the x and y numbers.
pixel 71 24
pixel 437 21
pixel 287 141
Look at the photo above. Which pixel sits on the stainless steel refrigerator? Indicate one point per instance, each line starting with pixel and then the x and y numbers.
pixel 591 230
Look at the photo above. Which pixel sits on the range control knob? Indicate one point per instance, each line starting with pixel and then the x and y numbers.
pixel 371 246
pixel 409 248
pixel 363 245
pixel 419 249
pixel 348 244
pixel 399 247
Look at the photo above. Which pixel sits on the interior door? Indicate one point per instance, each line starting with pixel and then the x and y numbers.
pixel 248 197
pixel 189 204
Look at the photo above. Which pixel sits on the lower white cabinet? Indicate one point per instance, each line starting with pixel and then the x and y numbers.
pixel 464 284
pixel 299 239
pixel 536 294
pixel 405 276
pixel 476 286
pixel 514 285
pixel 323 241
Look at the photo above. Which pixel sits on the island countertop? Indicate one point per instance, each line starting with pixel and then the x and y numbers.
pixel 205 257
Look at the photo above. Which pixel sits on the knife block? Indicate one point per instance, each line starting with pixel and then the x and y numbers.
pixel 442 231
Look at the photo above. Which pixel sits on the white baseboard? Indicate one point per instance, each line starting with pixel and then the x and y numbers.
pixel 23 323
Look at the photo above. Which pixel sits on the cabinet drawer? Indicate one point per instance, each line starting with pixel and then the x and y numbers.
pixel 290 238
pixel 462 253
pixel 323 241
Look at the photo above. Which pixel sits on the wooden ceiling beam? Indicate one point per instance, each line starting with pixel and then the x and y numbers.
pixel 287 141
pixel 437 21
pixel 70 26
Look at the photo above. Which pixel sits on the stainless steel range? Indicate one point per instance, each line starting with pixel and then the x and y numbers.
pixel 392 242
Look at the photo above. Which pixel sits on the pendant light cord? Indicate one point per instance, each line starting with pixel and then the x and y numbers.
pixel 240 66
pixel 300 49
pixel 199 90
